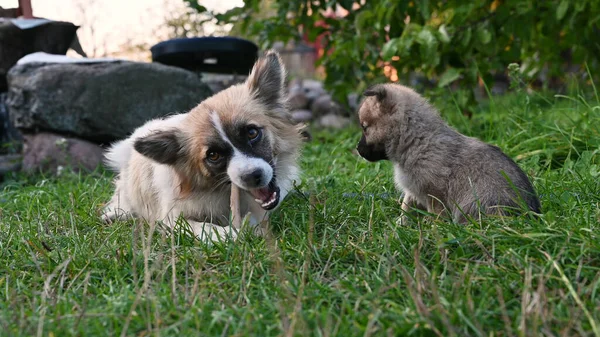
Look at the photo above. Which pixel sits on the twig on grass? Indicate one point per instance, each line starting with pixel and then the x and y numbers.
pixel 234 201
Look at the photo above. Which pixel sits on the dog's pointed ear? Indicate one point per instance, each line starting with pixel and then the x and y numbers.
pixel 266 81
pixel 162 146
pixel 379 91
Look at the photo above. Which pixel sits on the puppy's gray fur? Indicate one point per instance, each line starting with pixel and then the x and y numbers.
pixel 439 169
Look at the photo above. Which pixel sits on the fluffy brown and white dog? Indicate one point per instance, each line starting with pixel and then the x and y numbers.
pixel 183 165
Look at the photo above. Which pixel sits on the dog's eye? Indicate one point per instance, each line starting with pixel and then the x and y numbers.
pixel 213 156
pixel 253 134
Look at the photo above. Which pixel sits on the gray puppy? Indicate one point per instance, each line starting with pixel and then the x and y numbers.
pixel 439 169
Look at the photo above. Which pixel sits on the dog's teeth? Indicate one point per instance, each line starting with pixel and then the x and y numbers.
pixel 268 203
pixel 258 200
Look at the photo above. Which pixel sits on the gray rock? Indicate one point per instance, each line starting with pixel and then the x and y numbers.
pixel 301 116
pixel 325 105
pixel 101 102
pixel 294 85
pixel 11 141
pixel 10 163
pixel 219 82
pixel 297 101
pixel 310 89
pixel 50 153
pixel 353 101
pixel 313 89
pixel 333 121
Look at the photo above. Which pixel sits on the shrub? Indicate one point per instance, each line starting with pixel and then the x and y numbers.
pixel 446 41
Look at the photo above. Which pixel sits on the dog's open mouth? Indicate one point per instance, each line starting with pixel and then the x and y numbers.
pixel 267 197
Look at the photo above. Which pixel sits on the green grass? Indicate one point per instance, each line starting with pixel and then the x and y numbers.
pixel 338 264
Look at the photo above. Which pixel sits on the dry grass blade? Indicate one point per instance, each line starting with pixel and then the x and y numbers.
pixel 573 293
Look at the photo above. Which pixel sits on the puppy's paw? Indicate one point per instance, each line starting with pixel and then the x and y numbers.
pixel 403 220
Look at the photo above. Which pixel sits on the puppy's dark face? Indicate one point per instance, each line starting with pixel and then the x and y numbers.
pixel 371 152
pixel 372 143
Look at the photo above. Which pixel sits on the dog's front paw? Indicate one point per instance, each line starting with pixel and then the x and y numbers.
pixel 108 214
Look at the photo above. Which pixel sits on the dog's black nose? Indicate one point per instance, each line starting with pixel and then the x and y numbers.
pixel 254 177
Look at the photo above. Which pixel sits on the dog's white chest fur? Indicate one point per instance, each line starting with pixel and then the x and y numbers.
pixel 401 179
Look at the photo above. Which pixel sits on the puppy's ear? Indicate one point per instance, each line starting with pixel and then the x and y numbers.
pixel 162 146
pixel 266 81
pixel 378 91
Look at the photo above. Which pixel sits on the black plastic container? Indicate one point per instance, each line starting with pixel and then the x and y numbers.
pixel 225 55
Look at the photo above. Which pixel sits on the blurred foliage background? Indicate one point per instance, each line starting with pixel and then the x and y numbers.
pixel 454 43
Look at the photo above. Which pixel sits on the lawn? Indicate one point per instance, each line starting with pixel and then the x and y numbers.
pixel 337 264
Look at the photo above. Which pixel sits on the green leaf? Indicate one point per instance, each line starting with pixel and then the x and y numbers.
pixel 580 6
pixel 561 10
pixel 449 76
pixel 484 36
pixel 195 6
pixel 428 47
pixel 315 32
pixel 363 21
pixel 466 38
pixel 230 15
pixel 425 37
pixel 389 49
pixel 471 73
pixel 443 34
pixel 523 7
pixel 346 4
pixel 391 10
pixel 424 8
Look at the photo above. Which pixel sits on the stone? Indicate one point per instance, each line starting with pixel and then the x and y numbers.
pixel 99 102
pixel 297 101
pixel 295 87
pixel 51 153
pixel 333 121
pixel 11 141
pixel 310 89
pixel 9 163
pixel 324 105
pixel 219 82
pixel 353 101
pixel 313 89
pixel 301 116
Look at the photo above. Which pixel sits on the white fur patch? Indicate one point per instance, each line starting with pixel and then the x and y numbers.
pixel 214 117
pixel 240 165
pixel 408 185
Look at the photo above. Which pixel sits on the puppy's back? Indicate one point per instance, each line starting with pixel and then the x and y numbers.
pixel 489 181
